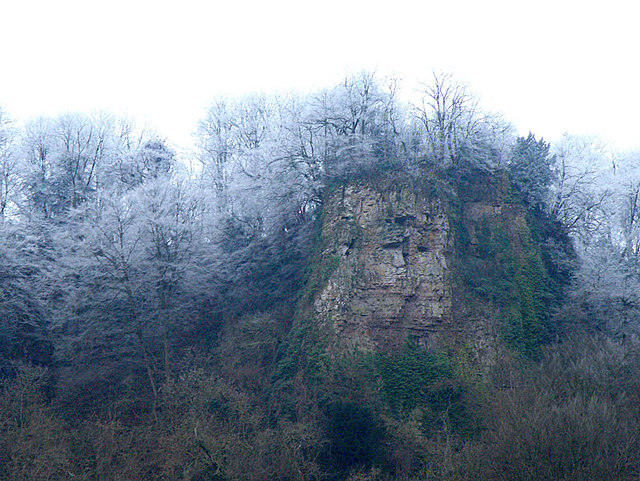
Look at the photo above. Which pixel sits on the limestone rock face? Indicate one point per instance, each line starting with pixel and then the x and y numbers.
pixel 459 266
pixel 388 278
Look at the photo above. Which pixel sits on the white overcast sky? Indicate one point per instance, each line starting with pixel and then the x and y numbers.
pixel 549 66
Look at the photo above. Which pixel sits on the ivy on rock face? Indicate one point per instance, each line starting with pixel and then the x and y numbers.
pixel 409 376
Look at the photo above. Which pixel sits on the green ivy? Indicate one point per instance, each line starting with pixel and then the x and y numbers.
pixel 505 270
pixel 409 375
pixel 527 327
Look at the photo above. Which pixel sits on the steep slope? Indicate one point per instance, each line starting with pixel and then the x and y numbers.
pixel 391 278
pixel 449 266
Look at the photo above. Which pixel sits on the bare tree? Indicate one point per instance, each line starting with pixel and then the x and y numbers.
pixel 450 117
pixel 581 192
pixel 9 180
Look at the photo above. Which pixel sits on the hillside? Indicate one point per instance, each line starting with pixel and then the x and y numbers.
pixel 442 264
pixel 347 288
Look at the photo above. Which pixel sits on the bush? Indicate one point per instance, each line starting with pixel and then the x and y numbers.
pixel 575 416
pixel 356 435
pixel 409 376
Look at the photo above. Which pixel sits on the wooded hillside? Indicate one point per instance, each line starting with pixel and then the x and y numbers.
pixel 156 308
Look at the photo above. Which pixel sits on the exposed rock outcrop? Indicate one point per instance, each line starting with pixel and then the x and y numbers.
pixel 449 267
pixel 389 254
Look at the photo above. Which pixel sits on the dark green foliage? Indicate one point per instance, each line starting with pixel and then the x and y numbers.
pixel 525 308
pixel 356 436
pixel 416 379
pixel 409 376
pixel 209 473
pixel 500 271
pixel 304 352
pixel 556 251
pixel 530 169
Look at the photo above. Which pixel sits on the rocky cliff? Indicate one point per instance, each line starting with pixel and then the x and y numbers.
pixel 402 261
pixel 390 252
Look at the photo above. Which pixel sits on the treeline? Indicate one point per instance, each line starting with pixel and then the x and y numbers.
pixel 572 415
pixel 113 250
pixel 144 305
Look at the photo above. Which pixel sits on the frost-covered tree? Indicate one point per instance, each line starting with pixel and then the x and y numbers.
pixel 63 161
pixel 454 131
pixel 133 165
pixel 357 124
pixel 27 289
pixel 258 160
pixel 137 273
pixel 595 196
pixel 9 180
pixel 73 158
pixel 582 184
